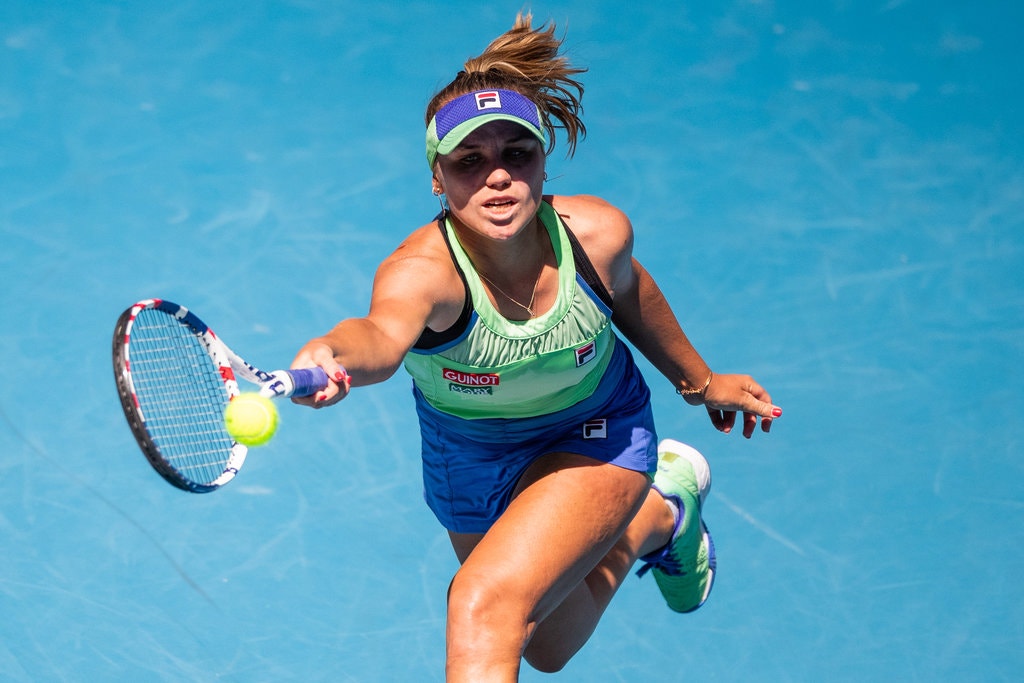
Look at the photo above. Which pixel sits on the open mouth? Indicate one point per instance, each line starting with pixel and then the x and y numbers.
pixel 499 204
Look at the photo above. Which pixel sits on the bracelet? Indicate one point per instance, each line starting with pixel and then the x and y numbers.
pixel 694 392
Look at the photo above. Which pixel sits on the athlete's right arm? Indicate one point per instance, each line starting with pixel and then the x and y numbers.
pixel 416 287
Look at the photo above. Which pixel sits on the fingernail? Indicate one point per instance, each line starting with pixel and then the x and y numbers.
pixel 776 412
pixel 339 376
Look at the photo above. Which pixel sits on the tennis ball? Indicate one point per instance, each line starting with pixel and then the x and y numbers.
pixel 251 419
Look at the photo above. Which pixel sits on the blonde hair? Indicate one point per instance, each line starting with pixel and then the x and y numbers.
pixel 525 60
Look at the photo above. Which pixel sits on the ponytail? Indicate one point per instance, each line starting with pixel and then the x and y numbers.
pixel 525 60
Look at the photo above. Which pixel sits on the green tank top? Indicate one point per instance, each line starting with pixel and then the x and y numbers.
pixel 500 368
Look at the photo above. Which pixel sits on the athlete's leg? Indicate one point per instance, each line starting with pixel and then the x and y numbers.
pixel 548 567
pixel 559 636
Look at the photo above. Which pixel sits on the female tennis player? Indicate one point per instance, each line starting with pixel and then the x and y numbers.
pixel 539 447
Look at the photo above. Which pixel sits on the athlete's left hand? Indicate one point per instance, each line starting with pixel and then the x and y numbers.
pixel 727 395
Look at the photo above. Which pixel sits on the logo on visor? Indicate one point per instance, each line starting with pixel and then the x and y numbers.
pixel 488 100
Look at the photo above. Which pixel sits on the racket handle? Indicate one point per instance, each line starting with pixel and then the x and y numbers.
pixel 301 382
pixel 307 382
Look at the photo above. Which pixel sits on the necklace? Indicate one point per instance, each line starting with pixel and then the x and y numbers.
pixel 527 308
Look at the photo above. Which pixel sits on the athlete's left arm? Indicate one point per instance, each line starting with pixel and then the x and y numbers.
pixel 643 315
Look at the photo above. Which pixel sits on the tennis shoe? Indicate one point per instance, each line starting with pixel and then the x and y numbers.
pixel 685 568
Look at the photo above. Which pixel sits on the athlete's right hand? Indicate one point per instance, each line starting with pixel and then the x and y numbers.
pixel 318 353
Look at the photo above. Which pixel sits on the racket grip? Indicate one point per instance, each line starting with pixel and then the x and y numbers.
pixel 307 381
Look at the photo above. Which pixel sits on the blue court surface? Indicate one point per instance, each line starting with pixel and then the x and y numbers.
pixel 830 193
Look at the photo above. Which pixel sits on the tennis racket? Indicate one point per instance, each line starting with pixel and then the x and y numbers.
pixel 175 377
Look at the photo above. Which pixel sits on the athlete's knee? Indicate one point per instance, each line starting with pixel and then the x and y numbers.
pixel 480 605
pixel 545 659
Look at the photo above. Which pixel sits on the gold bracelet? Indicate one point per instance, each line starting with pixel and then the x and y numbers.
pixel 694 392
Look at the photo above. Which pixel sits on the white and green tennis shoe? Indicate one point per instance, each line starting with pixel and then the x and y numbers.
pixel 685 568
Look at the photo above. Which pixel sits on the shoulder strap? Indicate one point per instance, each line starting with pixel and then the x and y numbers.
pixel 586 269
pixel 430 339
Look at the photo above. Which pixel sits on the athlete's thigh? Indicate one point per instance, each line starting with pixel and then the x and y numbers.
pixel 567 513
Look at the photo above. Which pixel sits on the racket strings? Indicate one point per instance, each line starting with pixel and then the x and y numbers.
pixel 181 396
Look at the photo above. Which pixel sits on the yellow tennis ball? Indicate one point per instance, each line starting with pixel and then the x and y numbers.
pixel 251 419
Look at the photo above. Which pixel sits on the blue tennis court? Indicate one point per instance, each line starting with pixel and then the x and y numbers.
pixel 830 193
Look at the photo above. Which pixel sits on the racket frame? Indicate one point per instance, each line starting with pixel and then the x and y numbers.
pixel 229 366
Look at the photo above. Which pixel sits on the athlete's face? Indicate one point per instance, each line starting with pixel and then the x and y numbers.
pixel 494 179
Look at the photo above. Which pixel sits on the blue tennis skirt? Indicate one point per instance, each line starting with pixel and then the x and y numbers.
pixel 471 467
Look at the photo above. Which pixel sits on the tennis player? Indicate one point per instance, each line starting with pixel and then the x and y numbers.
pixel 540 455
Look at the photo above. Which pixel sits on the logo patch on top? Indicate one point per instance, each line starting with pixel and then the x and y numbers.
pixel 472 383
pixel 595 429
pixel 586 353
pixel 471 379
pixel 488 100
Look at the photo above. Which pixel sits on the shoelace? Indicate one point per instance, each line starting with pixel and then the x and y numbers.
pixel 663 558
